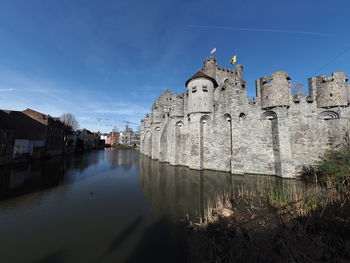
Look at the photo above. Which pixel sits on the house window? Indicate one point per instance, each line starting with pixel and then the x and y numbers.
pixel 194 89
pixel 330 94
pixel 205 89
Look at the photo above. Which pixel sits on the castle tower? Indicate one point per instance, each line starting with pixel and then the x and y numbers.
pixel 200 93
pixel 210 65
pixel 275 90
pixel 332 91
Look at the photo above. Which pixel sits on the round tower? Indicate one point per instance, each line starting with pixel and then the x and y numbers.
pixel 200 93
pixel 177 105
pixel 275 90
pixel 210 65
pixel 332 91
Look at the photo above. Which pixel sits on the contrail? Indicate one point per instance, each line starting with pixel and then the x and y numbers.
pixel 263 30
pixel 332 60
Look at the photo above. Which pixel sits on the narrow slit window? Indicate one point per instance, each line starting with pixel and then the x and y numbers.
pixel 205 89
pixel 194 89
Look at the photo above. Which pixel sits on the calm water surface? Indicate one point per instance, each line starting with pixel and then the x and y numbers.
pixel 110 206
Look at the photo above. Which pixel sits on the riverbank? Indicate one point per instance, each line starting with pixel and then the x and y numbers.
pixel 24 160
pixel 126 147
pixel 268 226
pixel 247 230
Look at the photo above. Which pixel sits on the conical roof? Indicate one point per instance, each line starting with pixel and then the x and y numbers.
pixel 200 74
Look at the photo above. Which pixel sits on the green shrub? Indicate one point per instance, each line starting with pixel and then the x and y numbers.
pixel 332 170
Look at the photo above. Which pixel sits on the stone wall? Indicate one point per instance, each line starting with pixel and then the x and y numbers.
pixel 221 129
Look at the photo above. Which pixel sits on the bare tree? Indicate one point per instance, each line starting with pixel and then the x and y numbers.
pixel 298 89
pixel 69 120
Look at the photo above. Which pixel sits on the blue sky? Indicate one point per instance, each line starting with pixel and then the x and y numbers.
pixel 111 59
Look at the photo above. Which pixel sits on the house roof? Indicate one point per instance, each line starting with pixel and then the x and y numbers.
pixel 41 117
pixel 23 125
pixel 200 74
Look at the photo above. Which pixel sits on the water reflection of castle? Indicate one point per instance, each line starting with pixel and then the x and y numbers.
pixel 174 191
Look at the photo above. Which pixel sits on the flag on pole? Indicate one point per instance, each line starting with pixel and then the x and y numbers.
pixel 213 50
pixel 233 60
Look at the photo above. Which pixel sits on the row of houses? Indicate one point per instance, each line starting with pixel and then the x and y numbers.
pixel 127 137
pixel 82 140
pixel 30 134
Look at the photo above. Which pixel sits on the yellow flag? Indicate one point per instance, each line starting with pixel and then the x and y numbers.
pixel 233 60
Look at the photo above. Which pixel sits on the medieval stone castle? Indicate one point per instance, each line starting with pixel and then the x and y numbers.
pixel 213 125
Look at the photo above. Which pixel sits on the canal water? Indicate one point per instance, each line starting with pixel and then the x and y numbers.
pixel 111 206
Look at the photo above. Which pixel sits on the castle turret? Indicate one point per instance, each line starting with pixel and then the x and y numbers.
pixel 332 91
pixel 239 71
pixel 200 93
pixel 275 90
pixel 209 68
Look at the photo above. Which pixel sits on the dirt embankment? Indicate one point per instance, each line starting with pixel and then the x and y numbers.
pixel 272 230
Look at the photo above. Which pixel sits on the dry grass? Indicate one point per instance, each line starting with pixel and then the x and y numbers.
pixel 267 225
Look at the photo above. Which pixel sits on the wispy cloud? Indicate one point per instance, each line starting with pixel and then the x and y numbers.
pixel 7 90
pixel 263 30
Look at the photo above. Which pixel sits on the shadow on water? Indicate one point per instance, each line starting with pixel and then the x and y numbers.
pixel 55 257
pixel 124 234
pixel 158 244
pixel 121 238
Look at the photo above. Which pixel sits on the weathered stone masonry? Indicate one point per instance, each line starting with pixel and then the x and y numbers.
pixel 213 125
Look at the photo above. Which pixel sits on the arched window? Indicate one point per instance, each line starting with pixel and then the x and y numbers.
pixel 227 117
pixel 328 115
pixel 242 116
pixel 204 119
pixel 179 124
pixel 269 115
